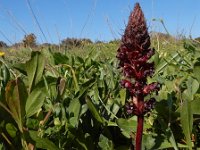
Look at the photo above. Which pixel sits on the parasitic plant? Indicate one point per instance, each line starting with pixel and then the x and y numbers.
pixel 134 54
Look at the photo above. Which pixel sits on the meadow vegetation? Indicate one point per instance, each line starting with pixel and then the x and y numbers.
pixel 68 96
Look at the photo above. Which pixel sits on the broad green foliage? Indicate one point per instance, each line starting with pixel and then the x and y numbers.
pixel 178 73
pixel 93 110
pixel 34 69
pixel 43 143
pixel 34 102
pixel 64 101
pixel 127 126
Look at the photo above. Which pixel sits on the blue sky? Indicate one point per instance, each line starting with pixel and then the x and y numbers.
pixel 95 19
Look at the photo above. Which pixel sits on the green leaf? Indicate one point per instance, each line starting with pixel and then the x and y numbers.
pixel 93 110
pixel 74 112
pixel 2 147
pixel 35 101
pixel 189 46
pixel 167 131
pixel 34 69
pixel 81 140
pixel 42 143
pixel 196 71
pixel 85 87
pixel 127 126
pixel 76 86
pixel 115 109
pixel 122 93
pixel 12 100
pixel 11 129
pixel 16 96
pixel 104 143
pixel 23 95
pixel 21 67
pixel 5 74
pixel 60 58
pixel 163 64
pixel 48 55
pixel 148 141
pixel 32 123
pixel 110 74
pixel 80 59
pixel 167 145
pixel 84 109
pixel 172 139
pixel 195 104
pixel 155 58
pixel 187 121
pixel 192 87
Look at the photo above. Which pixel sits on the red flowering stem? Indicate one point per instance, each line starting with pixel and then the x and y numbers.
pixel 134 54
pixel 138 141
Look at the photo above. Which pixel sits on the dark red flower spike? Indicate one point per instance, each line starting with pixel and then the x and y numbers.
pixel 134 54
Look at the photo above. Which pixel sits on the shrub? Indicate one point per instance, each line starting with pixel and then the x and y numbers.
pixel 29 40
pixel 3 44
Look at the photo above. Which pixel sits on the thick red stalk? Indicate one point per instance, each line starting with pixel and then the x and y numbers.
pixel 138 140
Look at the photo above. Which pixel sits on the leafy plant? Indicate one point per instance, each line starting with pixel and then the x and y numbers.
pixel 21 103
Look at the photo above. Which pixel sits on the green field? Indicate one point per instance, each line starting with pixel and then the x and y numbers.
pixel 59 98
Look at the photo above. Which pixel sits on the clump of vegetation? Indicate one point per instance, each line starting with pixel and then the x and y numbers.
pixel 3 44
pixel 70 43
pixel 29 40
